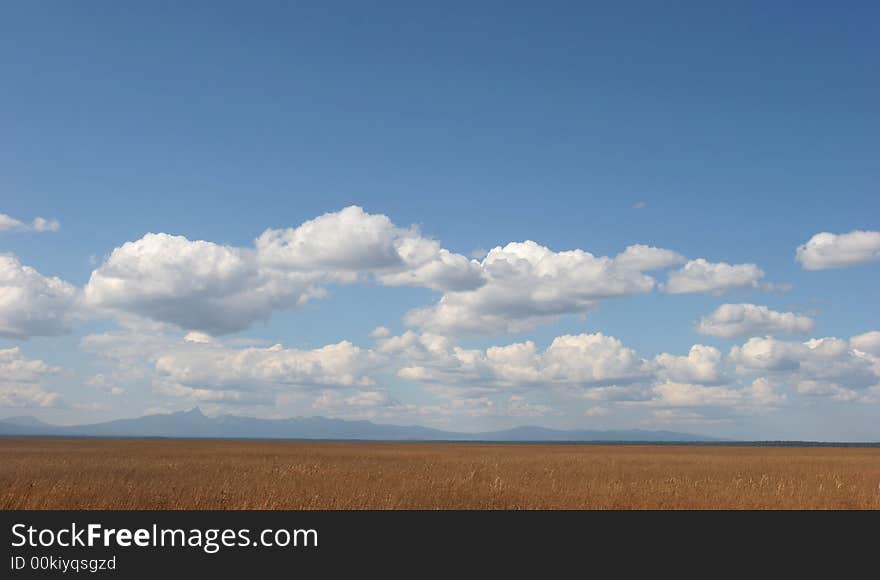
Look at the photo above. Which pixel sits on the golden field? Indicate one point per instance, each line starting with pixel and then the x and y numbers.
pixel 177 474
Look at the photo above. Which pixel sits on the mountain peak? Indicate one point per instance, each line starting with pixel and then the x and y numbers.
pixel 26 420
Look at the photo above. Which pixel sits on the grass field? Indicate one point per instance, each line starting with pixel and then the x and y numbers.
pixel 171 474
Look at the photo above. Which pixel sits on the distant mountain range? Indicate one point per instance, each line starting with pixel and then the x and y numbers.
pixel 195 424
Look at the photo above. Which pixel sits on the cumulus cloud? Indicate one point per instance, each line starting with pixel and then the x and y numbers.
pixel 39 224
pixel 341 364
pixel 21 381
pixel 334 400
pixel 827 250
pixel 203 286
pixel 45 225
pixel 765 392
pixel 212 396
pixel 108 383
pixel 683 416
pixel 212 288
pixel 672 394
pixel 817 366
pixel 380 332
pixel 708 277
pixel 597 367
pixel 352 242
pixel 740 320
pixel 195 285
pixel 702 365
pixel 579 361
pixel 213 371
pixel 518 406
pixel 32 304
pixel 868 342
pixel 527 284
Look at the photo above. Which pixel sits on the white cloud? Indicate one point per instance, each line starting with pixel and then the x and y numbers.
pixel 641 258
pixel 740 320
pixel 674 394
pixel 702 365
pixel 528 284
pixel 8 223
pixel 32 304
pixel 344 404
pixel 351 242
pixel 688 417
pixel 21 381
pixel 765 392
pixel 213 367
pixel 199 337
pixel 576 362
pixel 213 396
pixel 350 239
pixel 868 342
pixel 832 390
pixel 216 289
pixel 827 250
pixel 821 366
pixel 518 406
pixel 217 372
pixel 380 332
pixel 702 276
pixel 108 383
pixel 211 288
pixel 39 224
pixel 45 225
pixel 600 368
pixel 195 285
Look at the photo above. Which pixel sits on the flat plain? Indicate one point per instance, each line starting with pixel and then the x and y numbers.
pixel 201 474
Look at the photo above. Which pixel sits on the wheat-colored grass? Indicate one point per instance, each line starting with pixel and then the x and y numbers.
pixel 177 474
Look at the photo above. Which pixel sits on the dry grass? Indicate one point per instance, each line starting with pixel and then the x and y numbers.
pixel 166 474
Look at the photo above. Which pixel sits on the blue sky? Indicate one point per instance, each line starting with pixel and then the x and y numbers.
pixel 731 133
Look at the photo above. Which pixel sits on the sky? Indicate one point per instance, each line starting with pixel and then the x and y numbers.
pixel 464 215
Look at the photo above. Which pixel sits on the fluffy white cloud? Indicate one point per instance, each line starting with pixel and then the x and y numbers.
pixel 380 332
pixel 350 239
pixel 868 342
pixel 702 365
pixel 528 284
pixel 674 394
pixel 600 368
pixel 765 392
pixel 212 396
pixel 518 406
pixel 341 364
pixel 32 304
pixel 204 369
pixel 827 250
pixel 815 365
pixel 195 285
pixel 830 389
pixel 577 362
pixel 45 225
pixel 739 320
pixel 21 381
pixel 360 403
pixel 216 289
pixel 352 242
pixel 39 224
pixel 702 276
